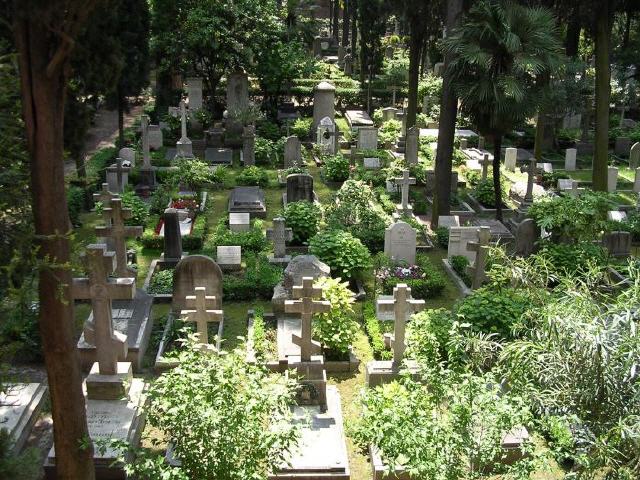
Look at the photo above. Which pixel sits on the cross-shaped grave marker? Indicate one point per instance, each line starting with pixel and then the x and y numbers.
pixel 306 303
pixel 404 183
pixel 183 120
pixel 279 235
pixel 531 171
pixel 111 345
pixel 116 229
pixel 146 155
pixel 200 313
pixel 104 196
pixel 485 162
pixel 403 306
pixel 119 170
pixel 481 247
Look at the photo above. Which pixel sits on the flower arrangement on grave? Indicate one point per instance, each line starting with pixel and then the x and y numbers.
pixel 424 279
pixel 186 202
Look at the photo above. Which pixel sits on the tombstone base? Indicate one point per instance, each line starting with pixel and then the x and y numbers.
pixel 19 410
pixel 184 148
pixel 109 387
pixel 110 419
pixel 401 211
pixel 148 177
pixel 379 372
pixel 284 261
pixel 312 378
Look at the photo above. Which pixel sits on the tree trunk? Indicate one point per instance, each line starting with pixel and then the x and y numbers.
pixel 354 26
pixel 446 132
pixel 603 94
pixel 336 20
pixel 43 56
pixel 346 18
pixel 627 28
pixel 415 44
pixel 81 169
pixel 574 27
pixel 537 147
pixel 497 188
pixel 121 101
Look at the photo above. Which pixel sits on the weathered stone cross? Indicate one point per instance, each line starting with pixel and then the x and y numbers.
pixel 481 247
pixel 111 345
pixel 306 304
pixel 200 313
pixel 404 306
pixel 146 155
pixel 116 229
pixel 485 162
pixel 118 169
pixel 183 119
pixel 528 197
pixel 105 197
pixel 404 183
pixel 279 235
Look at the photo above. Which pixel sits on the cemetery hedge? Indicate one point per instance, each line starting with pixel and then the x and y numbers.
pixel 253 240
pixel 257 281
pixel 345 254
pixel 374 333
pixel 303 218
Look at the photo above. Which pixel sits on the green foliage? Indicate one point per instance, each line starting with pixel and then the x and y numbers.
pixel 258 280
pixel 442 237
pixel 428 335
pixel 161 282
pixel 24 465
pixel 486 195
pixel 303 218
pixel 571 259
pixel 336 168
pixel 345 254
pixel 557 430
pixel 268 130
pixel 372 327
pixel 459 263
pixel 425 279
pixel 301 128
pixel 490 311
pixel 389 132
pixel 75 203
pixel 573 218
pixel 160 200
pixel 225 417
pixel 253 176
pixel 193 173
pixel 139 209
pixel 252 240
pixel 260 338
pixel 266 151
pixel 336 330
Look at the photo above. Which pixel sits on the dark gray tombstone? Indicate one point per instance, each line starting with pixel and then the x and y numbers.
pixel 527 234
pixel 172 235
pixel 196 271
pixel 618 244
pixel 248 200
pixel 299 188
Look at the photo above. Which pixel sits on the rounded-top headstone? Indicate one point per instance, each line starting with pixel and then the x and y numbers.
pixel 304 266
pixel 196 271
pixel 325 86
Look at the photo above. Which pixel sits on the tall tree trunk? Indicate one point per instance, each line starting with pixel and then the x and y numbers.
pixel 603 94
pixel 346 18
pixel 447 128
pixel 354 26
pixel 497 188
pixel 627 27
pixel 537 147
pixel 415 44
pixel 44 34
pixel 336 20
pixel 331 7
pixel 572 42
pixel 121 108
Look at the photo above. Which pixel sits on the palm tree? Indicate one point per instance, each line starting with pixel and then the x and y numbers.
pixel 498 54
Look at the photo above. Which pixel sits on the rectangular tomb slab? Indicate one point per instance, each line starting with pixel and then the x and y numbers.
pixel 248 200
pixel 358 118
pixel 499 232
pixel 239 222
pixel 218 156
pixel 229 257
pixel 19 410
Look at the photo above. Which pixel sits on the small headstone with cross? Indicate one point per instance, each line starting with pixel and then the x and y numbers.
pixel 279 235
pixel 184 147
pixel 147 172
pixel 485 162
pixel 117 176
pixel 201 311
pixel 404 182
pixel 531 172
pixel 306 302
pixel 404 306
pixel 481 247
pixel 119 232
pixel 111 346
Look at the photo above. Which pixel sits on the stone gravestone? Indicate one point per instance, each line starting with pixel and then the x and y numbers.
pixel 570 159
pixel 194 94
pixel 622 146
pixel 612 179
pixel 196 271
pixel 237 91
pixel 172 235
pixel 229 257
pixel 292 152
pixel 485 163
pixel 367 138
pixel 147 172
pixel 481 142
pixel 389 113
pixel 117 176
pixel 119 232
pixel 636 181
pixel 249 146
pixel 156 139
pixel 348 65
pixel 400 243
pixel 128 154
pixel 634 156
pixel 201 311
pixel 527 234
pixel 324 99
pixel 299 188
pixel 248 200
pixel 240 222
pixel 299 267
pixel 184 147
pixel 279 235
pixel 327 136
pixel 404 182
pixel 459 238
pixel 448 221
pixel 411 145
pixel 510 158
pixel 481 249
pixel 618 244
pixel 616 216
pixel 372 163
pixel 104 196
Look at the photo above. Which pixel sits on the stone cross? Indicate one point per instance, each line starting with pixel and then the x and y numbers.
pixel 528 196
pixel 404 183
pixel 200 313
pixel 119 232
pixel 183 120
pixel 403 306
pixel 485 162
pixel 306 304
pixel 279 235
pixel 146 156
pixel 574 188
pixel 111 345
pixel 481 247
pixel 104 196
pixel 118 169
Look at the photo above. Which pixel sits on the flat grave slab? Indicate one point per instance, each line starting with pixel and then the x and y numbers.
pixel 248 200
pixel 499 232
pixel 19 410
pixel 358 118
pixel 218 156
pixel 460 133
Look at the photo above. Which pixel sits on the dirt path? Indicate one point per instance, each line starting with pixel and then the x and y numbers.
pixel 103 133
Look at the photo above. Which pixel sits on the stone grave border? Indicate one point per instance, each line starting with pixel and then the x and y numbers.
pixel 455 278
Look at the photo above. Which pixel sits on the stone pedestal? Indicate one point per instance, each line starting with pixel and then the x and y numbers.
pixel 148 177
pixel 379 372
pixel 184 148
pixel 109 387
pixel 284 261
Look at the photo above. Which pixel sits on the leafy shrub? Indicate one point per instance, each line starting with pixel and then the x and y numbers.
pixel 569 259
pixel 486 195
pixel 259 279
pixel 345 254
pixel 459 264
pixel 336 329
pixel 428 335
pixel 557 430
pixel 268 130
pixel 424 279
pixel 75 202
pixel 302 128
pixel 252 240
pixel 295 170
pixel 266 152
pixel 253 176
pixel 442 237
pixel 160 200
pixel 336 168
pixel 372 327
pixel 161 282
pixel 139 209
pixel 303 218
pixel 263 338
pixel 193 173
pixel 491 311
pixel 389 132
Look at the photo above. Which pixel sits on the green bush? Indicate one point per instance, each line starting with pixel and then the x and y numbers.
pixel 372 327
pixel 303 218
pixel 442 237
pixel 75 202
pixel 193 174
pixel 258 281
pixel 557 431
pixel 139 209
pixel 159 200
pixel 428 335
pixel 492 311
pixel 569 259
pixel 459 264
pixel 425 280
pixel 486 195
pixel 336 329
pixel 389 132
pixel 336 168
pixel 252 240
pixel 161 282
pixel 269 130
pixel 266 152
pixel 301 128
pixel 253 176
pixel 345 254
